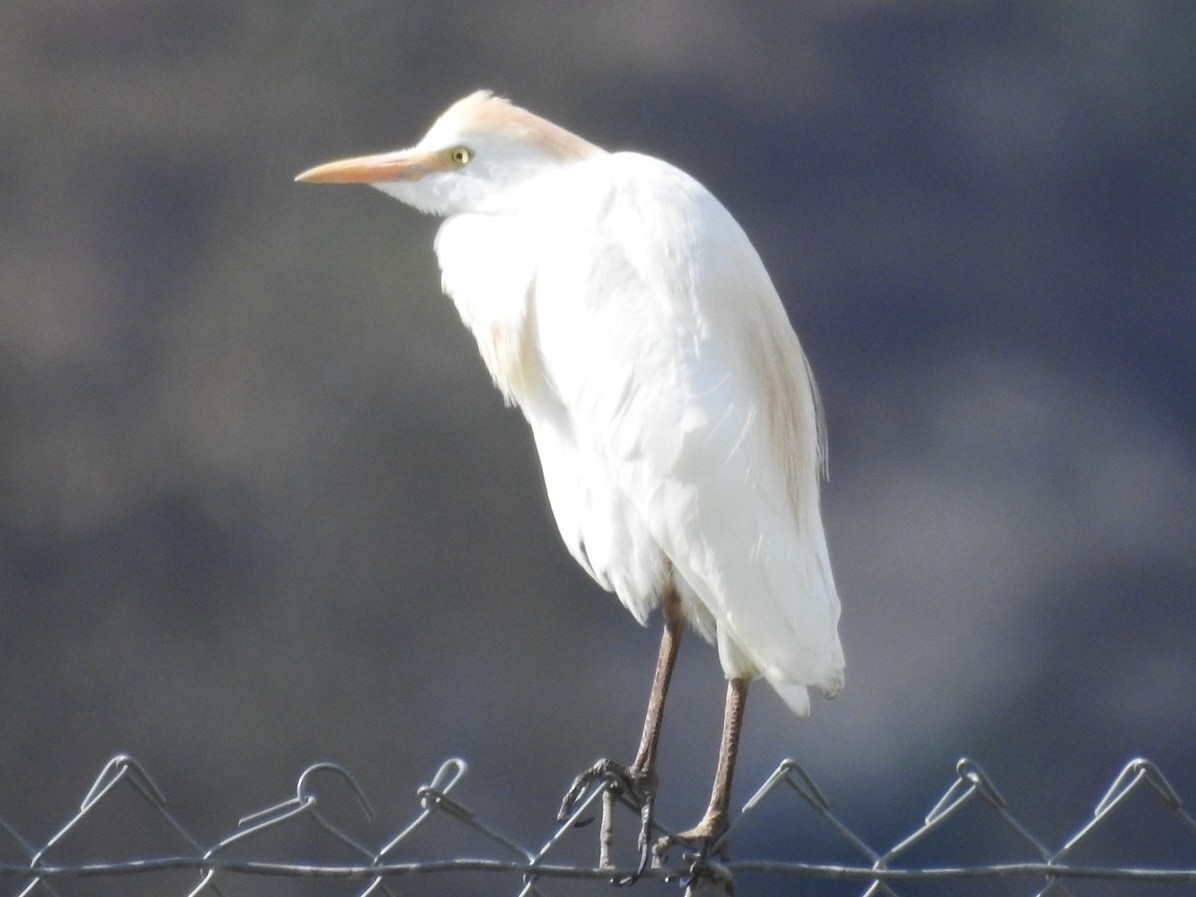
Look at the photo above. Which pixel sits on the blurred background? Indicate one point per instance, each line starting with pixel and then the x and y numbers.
pixel 261 506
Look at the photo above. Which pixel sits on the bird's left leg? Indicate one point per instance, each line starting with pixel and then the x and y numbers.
pixel 707 832
pixel 638 782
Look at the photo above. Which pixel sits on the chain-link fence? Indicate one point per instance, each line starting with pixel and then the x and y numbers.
pixel 310 836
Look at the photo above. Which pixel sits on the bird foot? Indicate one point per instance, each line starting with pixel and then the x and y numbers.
pixel 699 843
pixel 635 786
pixel 697 840
pixel 632 785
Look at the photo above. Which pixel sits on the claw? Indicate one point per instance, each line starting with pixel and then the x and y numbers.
pixel 700 842
pixel 636 788
pixel 644 842
pixel 631 784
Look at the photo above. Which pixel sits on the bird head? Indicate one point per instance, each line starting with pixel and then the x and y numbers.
pixel 484 154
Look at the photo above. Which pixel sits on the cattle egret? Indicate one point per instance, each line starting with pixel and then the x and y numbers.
pixel 621 307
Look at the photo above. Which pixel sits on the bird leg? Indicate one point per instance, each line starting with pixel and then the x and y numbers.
pixel 707 833
pixel 670 641
pixel 637 783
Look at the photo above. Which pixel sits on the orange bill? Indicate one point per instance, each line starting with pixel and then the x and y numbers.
pixel 403 165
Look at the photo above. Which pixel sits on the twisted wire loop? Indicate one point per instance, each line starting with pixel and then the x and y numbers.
pixel 877 872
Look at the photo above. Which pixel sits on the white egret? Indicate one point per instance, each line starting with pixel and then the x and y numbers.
pixel 622 308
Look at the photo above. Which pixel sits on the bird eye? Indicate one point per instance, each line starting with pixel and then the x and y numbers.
pixel 460 155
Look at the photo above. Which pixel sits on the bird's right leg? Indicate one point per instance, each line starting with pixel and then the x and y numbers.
pixel 670 641
pixel 638 782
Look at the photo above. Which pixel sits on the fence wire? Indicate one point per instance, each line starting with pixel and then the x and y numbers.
pixel 531 871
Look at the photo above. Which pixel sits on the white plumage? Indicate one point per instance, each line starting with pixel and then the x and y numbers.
pixel 621 307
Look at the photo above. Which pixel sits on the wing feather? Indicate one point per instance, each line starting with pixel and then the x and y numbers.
pixel 662 343
pixel 487 268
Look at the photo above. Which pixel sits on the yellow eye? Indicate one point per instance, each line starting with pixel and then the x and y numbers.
pixel 460 155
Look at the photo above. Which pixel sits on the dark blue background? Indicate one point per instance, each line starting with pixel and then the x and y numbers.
pixel 260 506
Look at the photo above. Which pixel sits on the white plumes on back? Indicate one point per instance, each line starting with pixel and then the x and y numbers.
pixel 620 306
